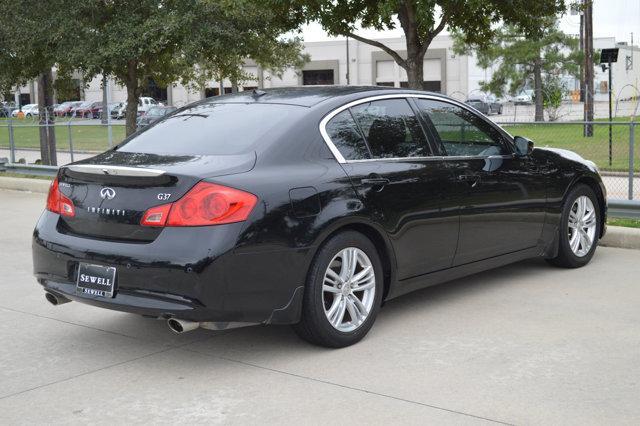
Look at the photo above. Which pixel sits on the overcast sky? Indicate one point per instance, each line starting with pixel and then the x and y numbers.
pixel 617 18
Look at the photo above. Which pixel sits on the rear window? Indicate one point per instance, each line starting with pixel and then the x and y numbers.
pixel 211 129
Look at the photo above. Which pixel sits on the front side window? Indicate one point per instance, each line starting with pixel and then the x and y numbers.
pixel 343 132
pixel 391 129
pixel 461 132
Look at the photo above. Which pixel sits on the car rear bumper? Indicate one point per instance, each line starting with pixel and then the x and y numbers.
pixel 187 273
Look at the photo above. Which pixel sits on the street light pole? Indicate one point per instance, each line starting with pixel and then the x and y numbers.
pixel 610 117
pixel 348 76
pixel 607 57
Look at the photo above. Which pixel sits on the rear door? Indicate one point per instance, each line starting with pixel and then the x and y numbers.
pixel 390 163
pixel 502 197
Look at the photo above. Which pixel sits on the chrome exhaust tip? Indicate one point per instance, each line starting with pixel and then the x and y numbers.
pixel 181 326
pixel 55 300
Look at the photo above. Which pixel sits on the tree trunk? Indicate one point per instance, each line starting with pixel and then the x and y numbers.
pixel 47 130
pixel 537 88
pixel 133 96
pixel 414 70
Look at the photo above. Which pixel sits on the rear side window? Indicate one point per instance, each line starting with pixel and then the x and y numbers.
pixel 391 129
pixel 211 129
pixel 343 132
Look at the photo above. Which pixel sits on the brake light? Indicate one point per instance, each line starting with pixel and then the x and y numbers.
pixel 205 204
pixel 57 202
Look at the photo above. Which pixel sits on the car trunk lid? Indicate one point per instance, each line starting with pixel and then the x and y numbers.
pixel 111 191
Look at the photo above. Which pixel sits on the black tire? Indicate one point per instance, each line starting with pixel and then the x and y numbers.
pixel 566 258
pixel 314 326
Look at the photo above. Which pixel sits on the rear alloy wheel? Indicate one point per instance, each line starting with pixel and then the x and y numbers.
pixel 349 289
pixel 579 228
pixel 343 292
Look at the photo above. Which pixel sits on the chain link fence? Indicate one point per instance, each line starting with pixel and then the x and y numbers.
pixel 613 146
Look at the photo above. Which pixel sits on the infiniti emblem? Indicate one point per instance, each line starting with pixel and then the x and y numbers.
pixel 107 193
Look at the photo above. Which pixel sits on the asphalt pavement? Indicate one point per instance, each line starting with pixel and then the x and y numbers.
pixel 523 344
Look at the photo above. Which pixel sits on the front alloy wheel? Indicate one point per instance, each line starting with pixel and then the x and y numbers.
pixel 581 226
pixel 579 229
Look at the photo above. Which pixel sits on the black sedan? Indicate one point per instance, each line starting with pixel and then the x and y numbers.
pixel 308 206
pixel 486 104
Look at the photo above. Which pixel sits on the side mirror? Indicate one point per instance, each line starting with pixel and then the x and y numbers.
pixel 524 146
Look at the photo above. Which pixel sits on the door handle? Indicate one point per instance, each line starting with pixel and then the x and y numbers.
pixel 376 181
pixel 472 180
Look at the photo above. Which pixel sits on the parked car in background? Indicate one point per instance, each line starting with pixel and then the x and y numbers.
pixel 88 109
pixel 119 111
pixel 523 98
pixel 64 109
pixel 145 103
pixel 110 108
pixel 308 206
pixel 154 114
pixel 6 108
pixel 29 110
pixel 485 103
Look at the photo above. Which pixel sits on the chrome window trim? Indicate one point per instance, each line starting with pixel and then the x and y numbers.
pixel 340 158
pixel 434 158
pixel 100 169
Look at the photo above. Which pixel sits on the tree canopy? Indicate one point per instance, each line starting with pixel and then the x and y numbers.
pixel 178 40
pixel 134 41
pixel 421 21
pixel 522 59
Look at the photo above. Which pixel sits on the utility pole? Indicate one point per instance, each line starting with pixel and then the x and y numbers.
pixel 105 102
pixel 348 61
pixel 588 66
pixel 581 12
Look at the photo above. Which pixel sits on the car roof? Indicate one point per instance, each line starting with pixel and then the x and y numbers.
pixel 307 96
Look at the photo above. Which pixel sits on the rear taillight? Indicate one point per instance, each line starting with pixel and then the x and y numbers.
pixel 57 202
pixel 205 204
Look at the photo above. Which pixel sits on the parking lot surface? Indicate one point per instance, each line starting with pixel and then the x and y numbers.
pixel 523 344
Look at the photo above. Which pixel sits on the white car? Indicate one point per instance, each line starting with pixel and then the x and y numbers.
pixel 523 98
pixel 28 110
pixel 145 104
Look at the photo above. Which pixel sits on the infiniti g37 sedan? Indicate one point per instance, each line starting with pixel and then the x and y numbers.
pixel 310 207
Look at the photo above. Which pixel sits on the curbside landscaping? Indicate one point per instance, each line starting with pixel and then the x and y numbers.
pixel 616 236
pixel 25 184
pixel 621 237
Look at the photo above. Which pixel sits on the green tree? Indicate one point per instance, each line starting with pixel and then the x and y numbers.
pixel 526 58
pixel 420 20
pixel 31 43
pixel 175 40
pixel 254 30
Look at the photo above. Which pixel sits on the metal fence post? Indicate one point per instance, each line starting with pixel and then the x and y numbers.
pixel 12 146
pixel 632 126
pixel 70 141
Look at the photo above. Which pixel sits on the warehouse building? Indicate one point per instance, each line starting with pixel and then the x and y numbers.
pixel 351 62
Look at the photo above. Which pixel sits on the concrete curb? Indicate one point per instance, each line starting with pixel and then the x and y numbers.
pixel 617 236
pixel 25 184
pixel 621 237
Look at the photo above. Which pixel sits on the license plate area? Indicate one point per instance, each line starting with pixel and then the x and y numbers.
pixel 96 280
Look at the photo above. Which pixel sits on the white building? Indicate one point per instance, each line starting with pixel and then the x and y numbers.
pixel 444 71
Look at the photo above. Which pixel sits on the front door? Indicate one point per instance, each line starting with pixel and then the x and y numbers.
pixel 399 182
pixel 501 197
